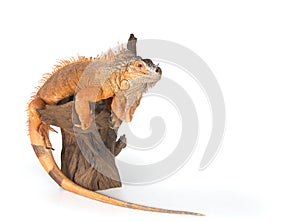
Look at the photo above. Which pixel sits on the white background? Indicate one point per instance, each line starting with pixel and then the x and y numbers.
pixel 252 47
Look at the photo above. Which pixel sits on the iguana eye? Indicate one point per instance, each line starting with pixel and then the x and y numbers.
pixel 140 65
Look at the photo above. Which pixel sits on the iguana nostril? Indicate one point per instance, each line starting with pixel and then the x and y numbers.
pixel 158 70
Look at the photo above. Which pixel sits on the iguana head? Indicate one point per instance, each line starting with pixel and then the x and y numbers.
pixel 136 78
pixel 139 74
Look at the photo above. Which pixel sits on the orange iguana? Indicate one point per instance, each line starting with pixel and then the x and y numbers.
pixel 122 76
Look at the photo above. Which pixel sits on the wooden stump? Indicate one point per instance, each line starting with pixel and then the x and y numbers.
pixel 87 156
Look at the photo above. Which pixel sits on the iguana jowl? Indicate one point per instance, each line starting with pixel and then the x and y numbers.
pixel 122 76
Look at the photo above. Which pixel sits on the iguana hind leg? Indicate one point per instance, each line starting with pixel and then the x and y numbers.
pixel 38 131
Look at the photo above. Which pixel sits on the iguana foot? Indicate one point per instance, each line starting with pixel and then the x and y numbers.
pixel 44 132
pixel 85 121
pixel 115 121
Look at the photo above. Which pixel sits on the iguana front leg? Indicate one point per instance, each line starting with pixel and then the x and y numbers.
pixel 82 104
pixel 124 106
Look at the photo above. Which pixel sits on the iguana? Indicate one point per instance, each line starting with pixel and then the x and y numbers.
pixel 121 75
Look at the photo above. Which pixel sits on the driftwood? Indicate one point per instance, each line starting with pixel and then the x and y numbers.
pixel 88 157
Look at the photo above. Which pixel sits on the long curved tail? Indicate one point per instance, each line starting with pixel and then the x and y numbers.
pixel 46 159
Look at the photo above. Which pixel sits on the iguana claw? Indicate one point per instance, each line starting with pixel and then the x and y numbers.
pixel 50 148
pixel 44 132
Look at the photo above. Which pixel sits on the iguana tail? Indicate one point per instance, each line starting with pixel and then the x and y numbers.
pixel 46 159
